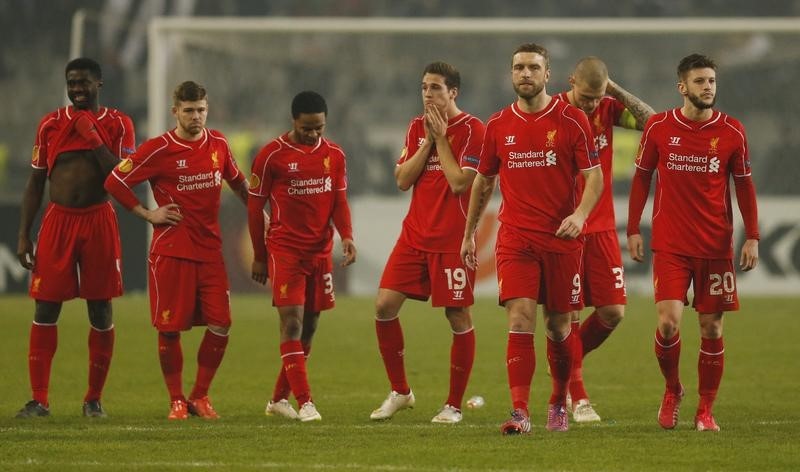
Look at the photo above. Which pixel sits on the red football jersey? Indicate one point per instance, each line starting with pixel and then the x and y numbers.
pixel 300 182
pixel 436 216
pixel 188 173
pixel 602 120
pixel 56 135
pixel 538 157
pixel 692 213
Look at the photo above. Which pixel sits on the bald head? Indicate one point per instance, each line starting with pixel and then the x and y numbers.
pixel 592 72
pixel 588 81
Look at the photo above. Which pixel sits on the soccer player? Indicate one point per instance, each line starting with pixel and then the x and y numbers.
pixel 303 177
pixel 538 146
pixel 439 160
pixel 78 250
pixel 187 281
pixel 607 105
pixel 695 150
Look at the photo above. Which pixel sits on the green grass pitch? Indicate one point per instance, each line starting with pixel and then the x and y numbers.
pixel 756 407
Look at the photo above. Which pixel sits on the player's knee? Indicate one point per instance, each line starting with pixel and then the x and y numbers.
pixel 219 330
pixel 459 318
pixel 711 326
pixel 47 312
pixel 100 314
pixel 611 315
pixel 384 309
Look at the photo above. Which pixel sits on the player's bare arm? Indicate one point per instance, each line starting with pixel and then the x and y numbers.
pixel 31 202
pixel 168 214
pixel 482 189
pixel 640 110
pixel 636 247
pixel 407 173
pixel 572 226
pixel 348 251
pixel 458 178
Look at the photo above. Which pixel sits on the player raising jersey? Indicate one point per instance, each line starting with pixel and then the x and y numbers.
pixel 439 161
pixel 78 251
pixel 187 280
pixel 695 150
pixel 303 178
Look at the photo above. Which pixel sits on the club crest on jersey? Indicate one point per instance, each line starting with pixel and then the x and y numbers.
pixel 35 283
pixel 254 181
pixel 35 154
pixel 214 160
pixel 125 165
pixel 181 163
pixel 326 164
pixel 551 138
pixel 404 153
pixel 284 291
pixel 165 316
pixel 292 167
pixel 511 140
pixel 713 145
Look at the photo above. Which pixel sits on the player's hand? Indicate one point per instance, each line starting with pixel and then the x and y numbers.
pixel 168 214
pixel 749 258
pixel 468 253
pixel 86 128
pixel 636 247
pixel 571 226
pixel 435 121
pixel 349 252
pixel 259 272
pixel 25 252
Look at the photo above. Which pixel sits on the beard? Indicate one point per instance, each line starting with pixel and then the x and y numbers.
pixel 527 95
pixel 700 104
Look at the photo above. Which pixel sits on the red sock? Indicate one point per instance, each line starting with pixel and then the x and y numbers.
pixel 593 332
pixel 520 363
pixel 171 357
pixel 576 387
pixel 41 349
pixel 392 347
pixel 209 357
pixel 559 355
pixel 294 364
pixel 668 353
pixel 101 347
pixel 462 355
pixel 709 368
pixel 282 387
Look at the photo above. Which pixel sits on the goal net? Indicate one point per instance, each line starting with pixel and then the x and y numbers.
pixel 369 71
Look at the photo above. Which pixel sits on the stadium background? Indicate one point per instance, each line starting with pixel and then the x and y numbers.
pixel 371 83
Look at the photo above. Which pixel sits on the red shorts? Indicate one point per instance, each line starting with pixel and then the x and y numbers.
pixel 77 254
pixel 714 281
pixel 419 275
pixel 525 271
pixel 603 274
pixel 305 281
pixel 186 293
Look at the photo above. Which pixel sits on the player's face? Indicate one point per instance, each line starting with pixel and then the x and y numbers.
pixel 435 91
pixel 586 98
pixel 700 87
pixel 308 128
pixel 191 116
pixel 529 74
pixel 83 89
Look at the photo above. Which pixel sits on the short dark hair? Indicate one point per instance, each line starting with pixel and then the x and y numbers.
pixel 533 47
pixel 84 63
pixel 452 78
pixel 308 102
pixel 694 61
pixel 188 91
